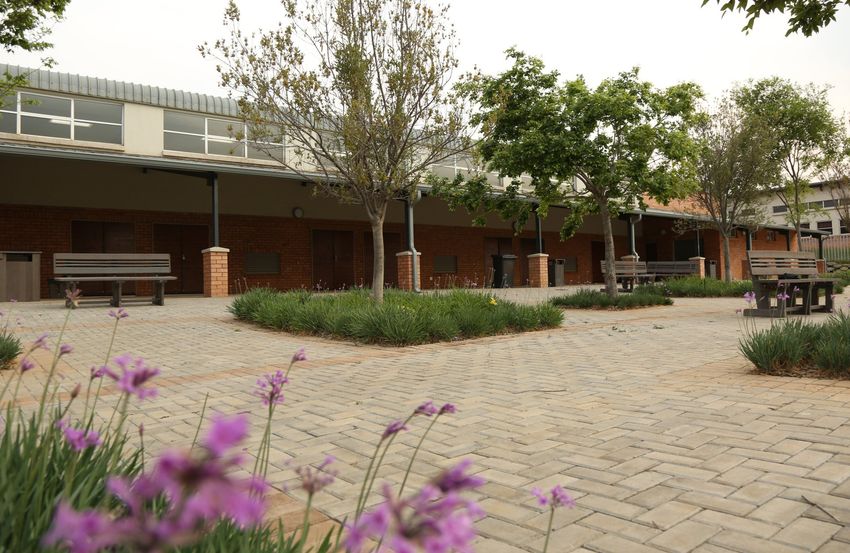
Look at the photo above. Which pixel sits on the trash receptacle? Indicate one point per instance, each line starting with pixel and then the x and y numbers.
pixel 20 276
pixel 503 270
pixel 560 265
pixel 712 269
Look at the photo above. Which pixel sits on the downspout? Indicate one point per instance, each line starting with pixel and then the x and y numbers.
pixel 408 222
pixel 631 231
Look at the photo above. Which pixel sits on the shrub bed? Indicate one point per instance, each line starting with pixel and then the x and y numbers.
pixel 10 348
pixel 797 348
pixel 403 319
pixel 594 299
pixel 695 287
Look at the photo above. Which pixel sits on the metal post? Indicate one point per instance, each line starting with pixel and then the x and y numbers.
pixel 749 239
pixel 408 222
pixel 212 179
pixel 820 246
pixel 539 228
pixel 788 240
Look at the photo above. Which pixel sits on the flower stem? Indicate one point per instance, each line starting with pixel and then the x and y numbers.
pixel 200 421
pixel 305 526
pixel 100 384
pixel 52 368
pixel 549 528
pixel 416 452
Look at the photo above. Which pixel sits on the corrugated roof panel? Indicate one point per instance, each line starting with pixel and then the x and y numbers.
pixel 82 85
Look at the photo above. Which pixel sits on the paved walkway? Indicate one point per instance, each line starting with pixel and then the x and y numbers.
pixel 649 417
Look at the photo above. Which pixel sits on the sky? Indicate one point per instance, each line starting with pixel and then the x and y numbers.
pixel 155 42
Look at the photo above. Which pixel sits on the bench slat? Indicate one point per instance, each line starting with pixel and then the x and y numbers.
pixel 72 264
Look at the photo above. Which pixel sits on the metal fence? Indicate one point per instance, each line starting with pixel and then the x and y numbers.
pixel 835 247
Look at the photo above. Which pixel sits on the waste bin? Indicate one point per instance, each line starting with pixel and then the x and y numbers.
pixel 560 265
pixel 712 269
pixel 503 270
pixel 20 276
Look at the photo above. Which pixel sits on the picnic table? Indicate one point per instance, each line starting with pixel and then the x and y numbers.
pixel 780 279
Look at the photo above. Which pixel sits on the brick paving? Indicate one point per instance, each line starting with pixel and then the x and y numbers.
pixel 650 418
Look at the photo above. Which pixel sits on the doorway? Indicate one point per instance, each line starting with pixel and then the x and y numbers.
pixel 184 243
pixel 495 246
pixel 102 237
pixel 597 256
pixel 333 259
pixel 392 245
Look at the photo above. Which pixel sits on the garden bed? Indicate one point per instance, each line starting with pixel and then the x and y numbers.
pixel 403 319
pixel 695 287
pixel 593 299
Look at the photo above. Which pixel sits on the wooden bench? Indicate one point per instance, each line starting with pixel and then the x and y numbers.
pixel 630 272
pixel 667 269
pixel 794 274
pixel 116 268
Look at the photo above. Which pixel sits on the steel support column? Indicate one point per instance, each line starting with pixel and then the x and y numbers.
pixel 408 224
pixel 538 226
pixel 820 246
pixel 212 180
pixel 748 235
pixel 788 240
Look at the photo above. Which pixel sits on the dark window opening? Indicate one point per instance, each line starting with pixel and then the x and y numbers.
pixel 262 263
pixel 445 264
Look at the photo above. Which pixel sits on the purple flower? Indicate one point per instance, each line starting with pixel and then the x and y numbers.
pixel 73 297
pixel 120 314
pixel 455 479
pixel 557 497
pixel 299 355
pixel 27 364
pixel 393 428
pixel 428 408
pixel 80 532
pixel 78 439
pixel 225 433
pixel 782 296
pixel 40 342
pixel 448 409
pixel 314 481
pixel 135 374
pixel 270 388
pixel 750 297
pixel 65 349
pixel 739 310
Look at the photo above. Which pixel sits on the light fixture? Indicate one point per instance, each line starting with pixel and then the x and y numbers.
pixel 297 212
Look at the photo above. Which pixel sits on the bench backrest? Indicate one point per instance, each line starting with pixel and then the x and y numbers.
pixel 672 267
pixel 627 267
pixel 76 264
pixel 768 263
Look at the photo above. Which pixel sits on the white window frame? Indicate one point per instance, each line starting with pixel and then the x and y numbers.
pixel 206 136
pixel 72 121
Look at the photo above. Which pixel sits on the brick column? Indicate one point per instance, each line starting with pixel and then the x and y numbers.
pixel 700 266
pixel 215 272
pixel 405 269
pixel 821 266
pixel 538 270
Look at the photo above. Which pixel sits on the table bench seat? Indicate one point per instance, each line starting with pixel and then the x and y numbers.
pixel 770 271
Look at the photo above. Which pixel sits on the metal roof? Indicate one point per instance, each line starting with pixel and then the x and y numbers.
pixel 70 83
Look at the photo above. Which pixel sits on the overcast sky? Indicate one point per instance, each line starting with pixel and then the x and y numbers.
pixel 155 41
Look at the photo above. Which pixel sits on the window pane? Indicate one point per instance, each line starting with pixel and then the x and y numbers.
pixel 8 122
pixel 184 143
pixel 825 225
pixel 779 209
pixel 58 128
pixel 96 132
pixel 254 152
pixel 47 105
pixel 9 102
pixel 231 129
pixel 175 121
pixel 829 203
pixel 225 147
pixel 97 111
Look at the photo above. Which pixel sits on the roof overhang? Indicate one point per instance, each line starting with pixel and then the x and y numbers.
pixel 654 212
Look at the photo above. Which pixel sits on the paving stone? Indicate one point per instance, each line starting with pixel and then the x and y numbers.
pixel 807 533
pixel 779 511
pixel 668 515
pixel 831 472
pixel 684 537
pixel 745 543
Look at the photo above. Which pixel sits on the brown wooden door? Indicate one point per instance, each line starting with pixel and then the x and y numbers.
pixel 102 237
pixel 184 244
pixel 392 245
pixel 597 256
pixel 495 246
pixel 333 259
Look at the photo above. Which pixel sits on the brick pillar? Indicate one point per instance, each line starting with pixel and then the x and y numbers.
pixel 405 269
pixel 699 263
pixel 538 270
pixel 215 272
pixel 821 266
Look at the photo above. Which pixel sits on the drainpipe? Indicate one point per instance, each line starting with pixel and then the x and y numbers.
pixel 539 228
pixel 408 223
pixel 820 246
pixel 749 237
pixel 212 180
pixel 631 232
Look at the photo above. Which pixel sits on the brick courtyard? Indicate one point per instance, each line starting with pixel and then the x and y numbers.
pixel 650 418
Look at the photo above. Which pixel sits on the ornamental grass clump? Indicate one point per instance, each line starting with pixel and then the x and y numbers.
pixel 10 345
pixel 403 318
pixel 594 299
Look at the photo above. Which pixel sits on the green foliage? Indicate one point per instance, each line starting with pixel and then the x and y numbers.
pixel 10 348
pixel 796 345
pixel 403 319
pixel 806 16
pixel 695 287
pixel 593 299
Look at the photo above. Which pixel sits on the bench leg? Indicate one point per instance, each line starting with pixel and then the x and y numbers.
pixel 159 292
pixel 116 294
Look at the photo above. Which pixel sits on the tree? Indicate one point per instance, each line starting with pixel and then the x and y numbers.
pixel 620 142
pixel 838 179
pixel 23 27
pixel 801 120
pixel 806 16
pixel 359 90
pixel 735 167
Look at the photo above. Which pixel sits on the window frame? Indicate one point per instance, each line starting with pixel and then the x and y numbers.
pixel 71 120
pixel 244 141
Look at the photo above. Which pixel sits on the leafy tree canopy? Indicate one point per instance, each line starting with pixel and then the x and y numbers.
pixel 805 16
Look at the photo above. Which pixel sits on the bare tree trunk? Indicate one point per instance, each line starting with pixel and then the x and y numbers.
pixel 608 233
pixel 727 259
pixel 377 258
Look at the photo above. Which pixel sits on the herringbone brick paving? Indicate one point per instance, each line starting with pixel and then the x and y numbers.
pixel 650 418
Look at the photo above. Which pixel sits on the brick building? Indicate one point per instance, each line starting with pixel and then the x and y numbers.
pixel 91 165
